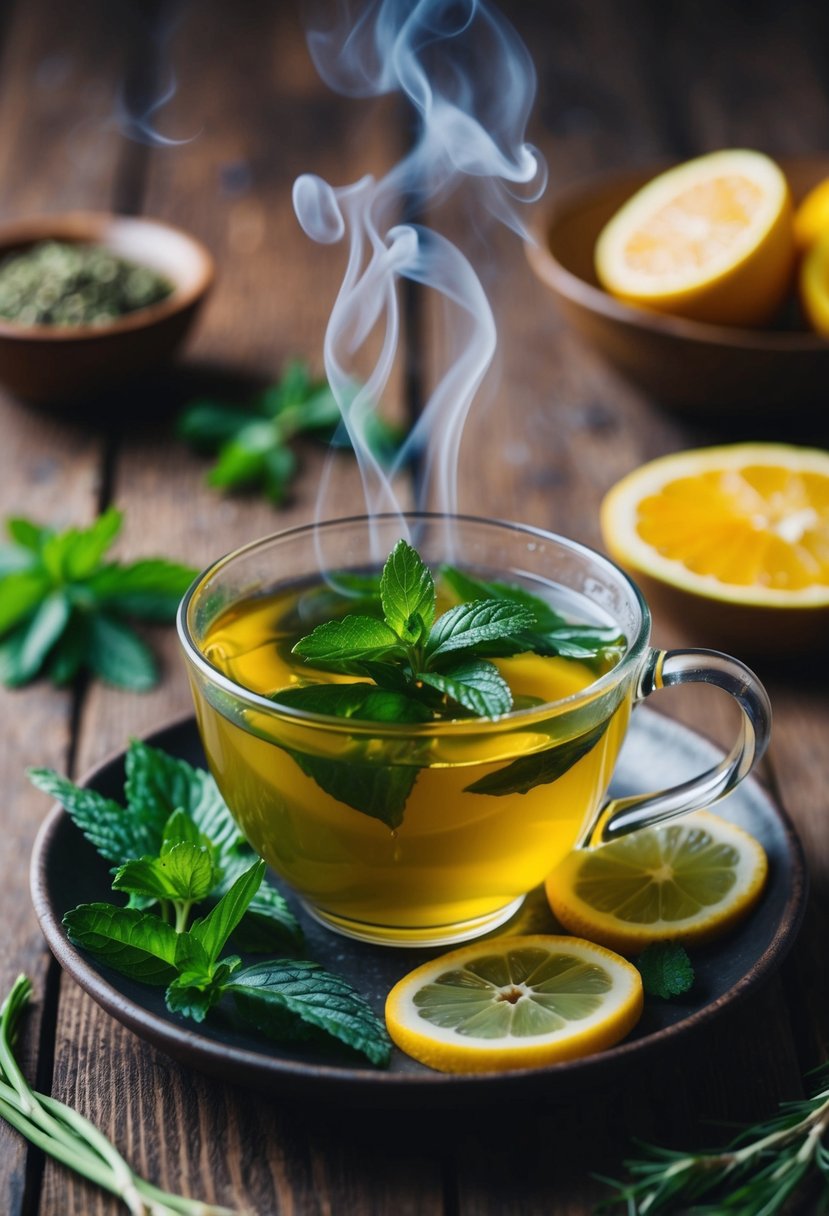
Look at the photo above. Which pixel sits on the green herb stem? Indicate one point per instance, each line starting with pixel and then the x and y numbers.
pixel 182 907
pixel 67 1136
pixel 763 1168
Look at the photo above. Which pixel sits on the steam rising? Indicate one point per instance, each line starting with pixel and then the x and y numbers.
pixel 472 83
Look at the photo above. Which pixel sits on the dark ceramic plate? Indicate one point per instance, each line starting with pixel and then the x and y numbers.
pixel 66 870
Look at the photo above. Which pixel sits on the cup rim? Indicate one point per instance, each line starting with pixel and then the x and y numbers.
pixel 457 726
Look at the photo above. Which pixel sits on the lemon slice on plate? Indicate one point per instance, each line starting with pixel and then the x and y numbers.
pixel 689 880
pixel 514 1002
pixel 711 239
pixel 737 535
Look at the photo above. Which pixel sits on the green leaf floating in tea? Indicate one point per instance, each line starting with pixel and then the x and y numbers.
pixel 428 667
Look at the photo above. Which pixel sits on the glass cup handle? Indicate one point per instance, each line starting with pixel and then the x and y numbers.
pixel 663 669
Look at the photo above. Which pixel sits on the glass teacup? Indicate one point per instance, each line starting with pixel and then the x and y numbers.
pixel 433 832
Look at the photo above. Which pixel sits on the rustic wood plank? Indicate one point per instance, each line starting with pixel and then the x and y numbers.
pixel 265 118
pixel 56 89
pixel 558 431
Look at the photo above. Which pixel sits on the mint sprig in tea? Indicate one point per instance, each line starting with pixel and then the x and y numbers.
pixel 392 783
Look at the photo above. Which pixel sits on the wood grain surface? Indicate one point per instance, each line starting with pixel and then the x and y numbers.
pixel 618 85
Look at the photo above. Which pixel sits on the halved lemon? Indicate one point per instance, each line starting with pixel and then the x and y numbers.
pixel 733 540
pixel 811 219
pixel 711 239
pixel 514 1002
pixel 814 285
pixel 688 881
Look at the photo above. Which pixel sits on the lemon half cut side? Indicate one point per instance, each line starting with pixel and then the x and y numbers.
pixel 514 1002
pixel 711 239
pixel 689 880
pixel 732 540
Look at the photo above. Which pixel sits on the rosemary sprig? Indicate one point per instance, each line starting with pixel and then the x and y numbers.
pixel 69 1137
pixel 755 1175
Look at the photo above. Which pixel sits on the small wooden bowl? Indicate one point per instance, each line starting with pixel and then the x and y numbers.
pixel 50 364
pixel 698 370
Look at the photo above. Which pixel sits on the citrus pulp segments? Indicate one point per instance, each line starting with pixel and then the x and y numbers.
pixel 711 239
pixel 511 1003
pixel 688 880
pixel 710 491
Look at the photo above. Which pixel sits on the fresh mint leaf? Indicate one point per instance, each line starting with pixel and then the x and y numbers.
pixel 137 944
pixel 150 589
pixel 157 784
pixel 213 931
pixel 180 829
pixel 585 642
pixel 69 652
pixel 467 587
pixel 192 961
pixel 12 673
pixel 26 534
pixel 666 970
pixel 61 606
pixel 539 768
pixel 467 625
pixel 252 443
pixel 361 701
pixel 352 638
pixel 118 655
pixel 279 467
pixel 20 593
pixel 378 790
pixel 78 552
pixel 118 835
pixel 206 425
pixel 42 633
pixel 268 924
pixel 184 872
pixel 190 1000
pixel 477 685
pixel 296 1001
pixel 241 461
pixel 407 593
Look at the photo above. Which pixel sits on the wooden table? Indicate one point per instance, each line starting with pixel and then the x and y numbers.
pixel 618 84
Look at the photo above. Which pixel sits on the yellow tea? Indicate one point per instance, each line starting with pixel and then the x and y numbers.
pixel 395 832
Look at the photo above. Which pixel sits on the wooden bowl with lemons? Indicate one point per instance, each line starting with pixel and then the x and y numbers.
pixel 691 366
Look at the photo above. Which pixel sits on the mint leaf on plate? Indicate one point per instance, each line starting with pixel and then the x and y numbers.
pixel 298 1000
pixel 184 872
pixel 138 944
pixel 116 834
pixel 666 970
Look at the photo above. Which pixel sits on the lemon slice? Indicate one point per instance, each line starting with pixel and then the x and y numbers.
pixel 814 285
pixel 739 537
pixel 514 1002
pixel 711 239
pixel 689 880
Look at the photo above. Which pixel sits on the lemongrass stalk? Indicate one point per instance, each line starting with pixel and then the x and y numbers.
pixel 64 1134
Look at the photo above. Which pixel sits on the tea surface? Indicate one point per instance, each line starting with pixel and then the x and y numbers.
pixel 394 830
